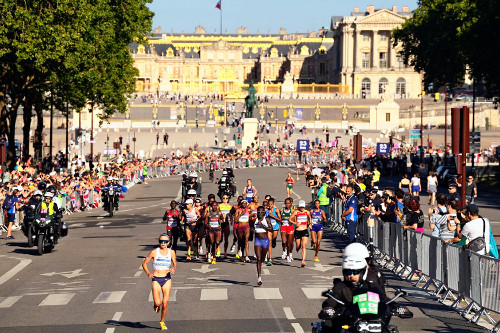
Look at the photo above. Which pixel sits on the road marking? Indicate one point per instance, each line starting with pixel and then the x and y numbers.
pixel 179 194
pixel 7 302
pixel 69 275
pixel 265 271
pixel 116 317
pixel 321 268
pixel 138 273
pixel 313 293
pixel 213 294
pixel 103 223
pixel 110 297
pixel 77 225
pixel 57 299
pixel 297 328
pixel 204 269
pixel 100 217
pixel 288 313
pixel 267 293
pixel 110 330
pixel 172 298
pixel 7 276
pixel 157 221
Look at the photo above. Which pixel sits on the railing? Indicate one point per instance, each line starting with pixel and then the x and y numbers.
pixel 448 271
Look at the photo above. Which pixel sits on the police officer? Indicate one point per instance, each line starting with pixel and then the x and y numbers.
pixel 324 200
pixel 48 209
pixel 29 210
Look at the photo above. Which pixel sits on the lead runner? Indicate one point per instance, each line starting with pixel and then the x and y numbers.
pixel 164 263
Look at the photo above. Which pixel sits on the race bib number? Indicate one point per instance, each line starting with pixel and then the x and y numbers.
pixel 367 303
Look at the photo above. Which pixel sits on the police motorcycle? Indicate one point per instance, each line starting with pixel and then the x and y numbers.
pixel 211 171
pixel 29 208
pixel 358 304
pixel 190 182
pixel 226 184
pixel 47 225
pixel 110 197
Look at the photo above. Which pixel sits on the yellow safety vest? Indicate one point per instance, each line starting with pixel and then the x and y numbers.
pixel 376 176
pixel 51 207
pixel 323 198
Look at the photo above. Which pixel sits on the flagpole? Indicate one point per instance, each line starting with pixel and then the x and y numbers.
pixel 221 17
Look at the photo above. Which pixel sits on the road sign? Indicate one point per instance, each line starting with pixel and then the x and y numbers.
pixel 415 134
pixel 475 134
pixel 476 139
pixel 383 148
pixel 302 145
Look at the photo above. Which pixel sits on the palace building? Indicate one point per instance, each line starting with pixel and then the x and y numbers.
pixel 354 56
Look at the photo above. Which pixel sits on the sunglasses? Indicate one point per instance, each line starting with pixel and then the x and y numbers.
pixel 351 271
pixel 225 198
pixel 164 241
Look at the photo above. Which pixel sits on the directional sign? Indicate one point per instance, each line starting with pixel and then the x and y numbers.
pixel 69 275
pixel 415 134
pixel 204 269
pixel 302 145
pixel 320 267
pixel 383 148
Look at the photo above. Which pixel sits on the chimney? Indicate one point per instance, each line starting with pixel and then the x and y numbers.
pixel 405 9
pixel 394 9
pixel 370 9
pixel 356 9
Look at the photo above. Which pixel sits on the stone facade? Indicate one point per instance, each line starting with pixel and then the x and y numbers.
pixel 365 58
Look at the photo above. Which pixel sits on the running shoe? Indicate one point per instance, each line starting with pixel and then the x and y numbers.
pixel 291 257
pixel 188 258
pixel 218 252
pixel 247 259
pixel 157 308
pixel 313 247
pixel 303 264
pixel 209 259
pixel 213 261
pixel 163 326
pixel 316 259
pixel 269 262
pixel 240 253
pixel 197 257
pixel 283 255
pixel 288 259
pixel 259 281
pixel 9 237
pixel 189 252
pixel 233 248
pixel 237 256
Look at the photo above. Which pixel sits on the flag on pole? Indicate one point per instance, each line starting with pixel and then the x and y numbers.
pixel 219 5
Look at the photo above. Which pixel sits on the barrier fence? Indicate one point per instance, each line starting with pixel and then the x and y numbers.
pixel 448 271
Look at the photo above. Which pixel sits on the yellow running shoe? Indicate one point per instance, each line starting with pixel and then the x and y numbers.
pixel 237 256
pixel 218 252
pixel 213 261
pixel 316 259
pixel 163 326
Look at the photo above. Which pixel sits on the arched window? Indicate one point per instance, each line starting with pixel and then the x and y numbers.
pixel 382 85
pixel 401 86
pixel 366 85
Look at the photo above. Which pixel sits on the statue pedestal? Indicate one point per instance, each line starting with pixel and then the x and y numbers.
pixel 249 133
pixel 318 124
pixel 344 124
pixel 181 123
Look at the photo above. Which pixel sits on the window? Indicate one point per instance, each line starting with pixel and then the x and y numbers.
pixel 220 56
pixel 366 36
pixel 383 59
pixel 365 60
pixel 387 117
pixel 383 36
pixel 401 63
pixel 382 85
pixel 366 85
pixel 322 68
pixel 401 86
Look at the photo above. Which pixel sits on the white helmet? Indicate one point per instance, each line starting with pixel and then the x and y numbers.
pixel 193 175
pixel 37 192
pixel 115 178
pixel 354 262
pixel 356 250
pixel 110 178
pixel 191 192
pixel 224 173
pixel 49 195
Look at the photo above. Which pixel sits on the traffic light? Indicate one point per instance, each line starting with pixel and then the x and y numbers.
pixel 391 144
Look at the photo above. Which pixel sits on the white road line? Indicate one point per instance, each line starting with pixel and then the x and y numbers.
pixel 179 194
pixel 265 271
pixel 138 273
pixel 110 297
pixel 267 293
pixel 103 223
pixel 100 217
pixel 288 313
pixel 156 221
pixel 313 293
pixel 77 225
pixel 7 302
pixel 297 328
pixel 7 276
pixel 57 299
pixel 117 316
pixel 213 294
pixel 110 330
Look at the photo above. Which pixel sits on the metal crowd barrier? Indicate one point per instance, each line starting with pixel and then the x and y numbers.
pixel 456 274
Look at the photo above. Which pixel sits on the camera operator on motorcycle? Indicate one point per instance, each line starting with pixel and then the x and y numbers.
pixel 47 209
pixel 118 190
pixel 224 185
pixel 191 183
pixel 358 278
pixel 29 210
pixel 212 169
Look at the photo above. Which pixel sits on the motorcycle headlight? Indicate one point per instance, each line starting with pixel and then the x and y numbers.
pixel 366 326
pixel 111 192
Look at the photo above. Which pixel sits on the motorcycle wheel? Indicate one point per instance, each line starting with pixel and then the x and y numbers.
pixel 41 241
pixel 30 237
pixel 111 210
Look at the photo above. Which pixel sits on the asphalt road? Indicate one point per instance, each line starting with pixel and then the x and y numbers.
pixel 93 280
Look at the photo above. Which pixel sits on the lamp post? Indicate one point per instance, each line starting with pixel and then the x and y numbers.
pixel 445 119
pixel 67 125
pixel 422 124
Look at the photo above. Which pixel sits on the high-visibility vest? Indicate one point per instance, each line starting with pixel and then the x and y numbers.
pixel 50 208
pixel 323 198
pixel 376 176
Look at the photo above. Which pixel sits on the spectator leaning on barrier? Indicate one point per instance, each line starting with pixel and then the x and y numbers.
pixel 415 218
pixel 477 231
pixel 350 215
pixel 437 216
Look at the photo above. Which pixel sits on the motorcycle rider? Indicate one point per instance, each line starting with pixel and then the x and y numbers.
pixel 48 209
pixel 29 210
pixel 105 190
pixel 118 189
pixel 224 185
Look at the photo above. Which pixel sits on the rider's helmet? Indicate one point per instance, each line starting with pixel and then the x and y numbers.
pixel 37 192
pixel 356 250
pixel 110 179
pixel 193 175
pixel 224 173
pixel 48 194
pixel 191 192
pixel 115 178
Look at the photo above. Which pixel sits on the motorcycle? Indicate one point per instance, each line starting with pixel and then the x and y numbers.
pixel 43 232
pixel 225 189
pixel 367 313
pixel 109 195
